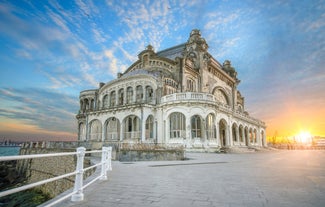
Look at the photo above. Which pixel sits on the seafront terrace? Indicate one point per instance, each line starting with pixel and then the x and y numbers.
pixel 270 178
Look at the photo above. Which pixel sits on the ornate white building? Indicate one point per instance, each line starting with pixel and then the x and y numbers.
pixel 178 96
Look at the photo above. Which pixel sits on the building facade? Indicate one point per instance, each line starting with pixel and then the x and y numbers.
pixel 178 96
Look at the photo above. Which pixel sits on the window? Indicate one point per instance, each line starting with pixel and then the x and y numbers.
pixel 196 126
pixel 121 96
pixel 95 130
pixel 139 94
pixel 221 96
pixel 113 98
pixel 149 93
pixel 105 102
pixel 149 127
pixel 132 127
pixel 211 127
pixel 177 125
pixel 190 85
pixel 234 133
pixel 129 95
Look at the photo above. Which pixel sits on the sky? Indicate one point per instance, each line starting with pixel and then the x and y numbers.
pixel 52 50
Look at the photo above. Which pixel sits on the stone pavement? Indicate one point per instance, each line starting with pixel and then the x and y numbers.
pixel 277 178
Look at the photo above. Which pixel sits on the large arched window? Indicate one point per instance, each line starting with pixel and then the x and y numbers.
pixel 221 96
pixel 132 127
pixel 129 95
pixel 95 130
pixel 112 129
pixel 211 126
pixel 177 125
pixel 149 127
pixel 105 101
pixel 113 99
pixel 196 126
pixel 139 94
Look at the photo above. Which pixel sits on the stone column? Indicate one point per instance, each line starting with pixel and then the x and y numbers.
pixel 237 134
pixel 218 134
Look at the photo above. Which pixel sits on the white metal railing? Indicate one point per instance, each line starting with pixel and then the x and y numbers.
pixel 77 193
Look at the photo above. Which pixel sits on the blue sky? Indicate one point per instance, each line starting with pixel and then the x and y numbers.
pixel 52 50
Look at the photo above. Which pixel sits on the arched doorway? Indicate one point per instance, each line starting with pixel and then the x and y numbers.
pixel 132 127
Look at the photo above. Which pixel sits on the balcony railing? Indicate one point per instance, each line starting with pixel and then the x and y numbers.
pixel 77 193
pixel 188 96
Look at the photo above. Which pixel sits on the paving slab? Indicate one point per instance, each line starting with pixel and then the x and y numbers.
pixel 277 178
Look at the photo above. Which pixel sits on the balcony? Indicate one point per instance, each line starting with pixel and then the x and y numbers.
pixel 189 96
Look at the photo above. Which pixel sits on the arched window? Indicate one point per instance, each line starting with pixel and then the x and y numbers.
pixel 112 129
pixel 251 136
pixel 210 126
pixel 113 99
pixel 132 127
pixel 121 96
pixel 255 136
pixel 139 94
pixel 177 125
pixel 105 101
pixel 95 130
pixel 149 94
pixel 196 126
pixel 149 127
pixel 129 95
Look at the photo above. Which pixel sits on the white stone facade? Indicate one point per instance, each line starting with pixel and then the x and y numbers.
pixel 178 96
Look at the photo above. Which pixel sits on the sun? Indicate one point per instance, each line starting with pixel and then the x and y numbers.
pixel 304 137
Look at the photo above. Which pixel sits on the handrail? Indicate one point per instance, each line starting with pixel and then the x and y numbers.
pixel 77 194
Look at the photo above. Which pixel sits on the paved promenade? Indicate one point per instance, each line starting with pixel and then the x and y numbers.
pixel 277 178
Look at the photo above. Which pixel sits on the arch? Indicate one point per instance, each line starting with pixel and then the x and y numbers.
pixel 95 132
pixel 177 125
pixel 211 126
pixel 223 134
pixel 92 104
pixel 196 126
pixel 112 99
pixel 221 95
pixel 112 129
pixel 82 132
pixel 234 132
pixel 241 133
pixel 105 101
pixel 132 127
pixel 139 94
pixel 129 95
pixel 149 127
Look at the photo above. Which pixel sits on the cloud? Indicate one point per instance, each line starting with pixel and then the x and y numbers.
pixel 47 110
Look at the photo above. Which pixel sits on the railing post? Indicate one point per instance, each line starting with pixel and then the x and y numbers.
pixel 104 162
pixel 109 159
pixel 79 196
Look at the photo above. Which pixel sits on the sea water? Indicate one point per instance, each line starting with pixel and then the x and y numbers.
pixel 9 151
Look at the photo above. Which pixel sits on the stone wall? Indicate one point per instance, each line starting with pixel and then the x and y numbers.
pixel 150 155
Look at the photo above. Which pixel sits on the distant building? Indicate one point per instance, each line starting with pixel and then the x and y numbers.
pixel 178 96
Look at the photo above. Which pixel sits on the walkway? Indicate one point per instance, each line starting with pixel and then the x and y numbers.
pixel 278 178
